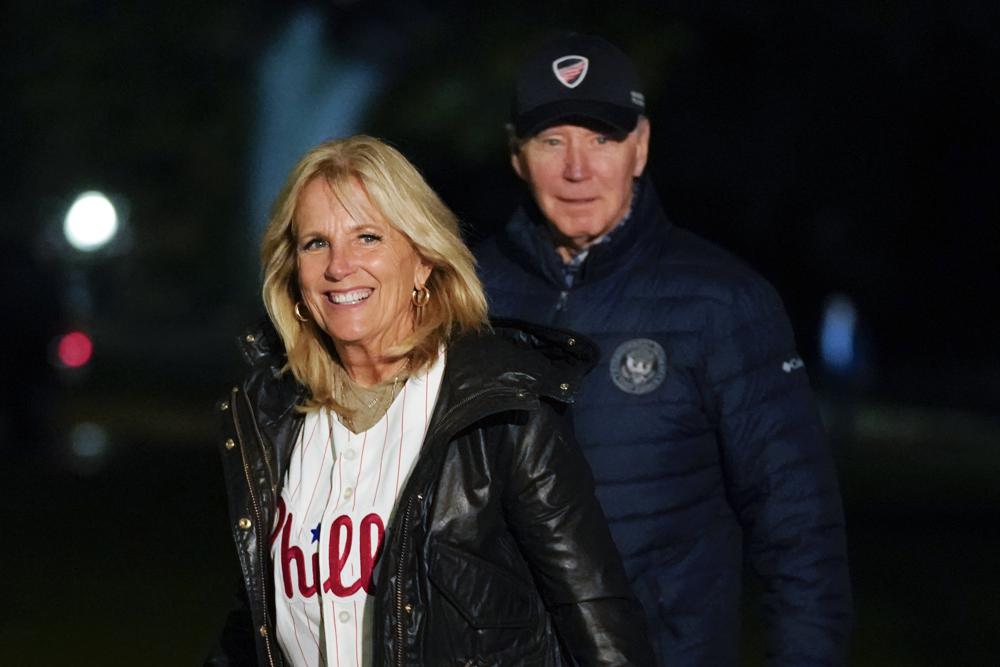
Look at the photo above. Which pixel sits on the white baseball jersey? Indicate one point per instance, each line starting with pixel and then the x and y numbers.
pixel 339 492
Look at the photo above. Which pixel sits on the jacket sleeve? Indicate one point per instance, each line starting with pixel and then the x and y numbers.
pixel 564 537
pixel 781 480
pixel 235 647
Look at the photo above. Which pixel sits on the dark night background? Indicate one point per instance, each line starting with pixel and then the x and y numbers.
pixel 846 148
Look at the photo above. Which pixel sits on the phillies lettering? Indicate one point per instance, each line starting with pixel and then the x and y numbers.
pixel 291 558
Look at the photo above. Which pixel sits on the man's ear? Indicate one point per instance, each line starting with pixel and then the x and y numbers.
pixel 518 165
pixel 642 146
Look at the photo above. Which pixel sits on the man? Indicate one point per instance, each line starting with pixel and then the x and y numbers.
pixel 698 422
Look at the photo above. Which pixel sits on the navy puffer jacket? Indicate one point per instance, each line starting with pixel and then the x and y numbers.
pixel 702 432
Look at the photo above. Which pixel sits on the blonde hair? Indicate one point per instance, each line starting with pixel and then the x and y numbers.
pixel 400 194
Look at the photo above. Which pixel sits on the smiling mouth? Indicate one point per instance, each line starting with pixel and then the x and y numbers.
pixel 349 298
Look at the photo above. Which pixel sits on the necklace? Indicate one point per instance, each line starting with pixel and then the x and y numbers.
pixel 365 406
pixel 370 396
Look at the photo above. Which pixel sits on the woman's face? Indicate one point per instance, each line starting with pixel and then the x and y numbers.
pixel 355 275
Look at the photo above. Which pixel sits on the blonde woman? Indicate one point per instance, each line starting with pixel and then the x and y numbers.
pixel 403 484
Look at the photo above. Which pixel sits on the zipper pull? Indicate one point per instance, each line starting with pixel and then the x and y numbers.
pixel 561 302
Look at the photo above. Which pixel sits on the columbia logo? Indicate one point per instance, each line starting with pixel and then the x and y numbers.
pixel 793 364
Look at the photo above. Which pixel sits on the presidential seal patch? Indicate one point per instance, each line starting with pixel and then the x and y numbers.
pixel 638 366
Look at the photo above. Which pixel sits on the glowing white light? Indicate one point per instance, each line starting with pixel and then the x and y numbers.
pixel 91 222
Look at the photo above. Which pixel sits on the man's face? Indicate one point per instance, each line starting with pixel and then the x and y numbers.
pixel 582 179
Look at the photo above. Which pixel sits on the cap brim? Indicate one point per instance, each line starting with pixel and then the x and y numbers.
pixel 616 117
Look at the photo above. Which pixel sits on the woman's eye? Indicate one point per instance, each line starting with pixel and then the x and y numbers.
pixel 312 244
pixel 369 239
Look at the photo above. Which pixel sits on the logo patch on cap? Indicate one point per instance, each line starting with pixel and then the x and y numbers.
pixel 570 70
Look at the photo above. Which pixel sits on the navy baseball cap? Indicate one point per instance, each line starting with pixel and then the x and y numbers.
pixel 576 78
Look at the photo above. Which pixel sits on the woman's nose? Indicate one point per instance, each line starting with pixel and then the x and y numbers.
pixel 341 263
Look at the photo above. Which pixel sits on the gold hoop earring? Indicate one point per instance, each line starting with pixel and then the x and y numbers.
pixel 420 297
pixel 298 312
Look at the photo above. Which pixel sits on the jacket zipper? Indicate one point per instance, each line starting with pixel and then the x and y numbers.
pixel 399 583
pixel 256 510
pixel 559 314
pixel 260 439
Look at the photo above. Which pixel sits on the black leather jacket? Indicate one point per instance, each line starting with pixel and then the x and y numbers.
pixel 497 552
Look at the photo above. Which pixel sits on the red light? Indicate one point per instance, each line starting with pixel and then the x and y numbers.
pixel 75 349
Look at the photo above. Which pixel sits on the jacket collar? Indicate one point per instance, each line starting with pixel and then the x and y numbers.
pixel 546 362
pixel 275 390
pixel 526 360
pixel 510 367
pixel 528 241
pixel 260 343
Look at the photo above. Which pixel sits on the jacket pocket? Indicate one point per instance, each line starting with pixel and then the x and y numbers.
pixel 485 594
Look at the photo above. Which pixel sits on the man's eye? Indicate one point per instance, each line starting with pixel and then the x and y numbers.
pixel 602 139
pixel 550 141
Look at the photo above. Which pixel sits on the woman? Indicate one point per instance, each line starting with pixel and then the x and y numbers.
pixel 402 482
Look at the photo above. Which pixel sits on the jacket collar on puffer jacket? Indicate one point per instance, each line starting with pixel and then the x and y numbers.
pixel 528 240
